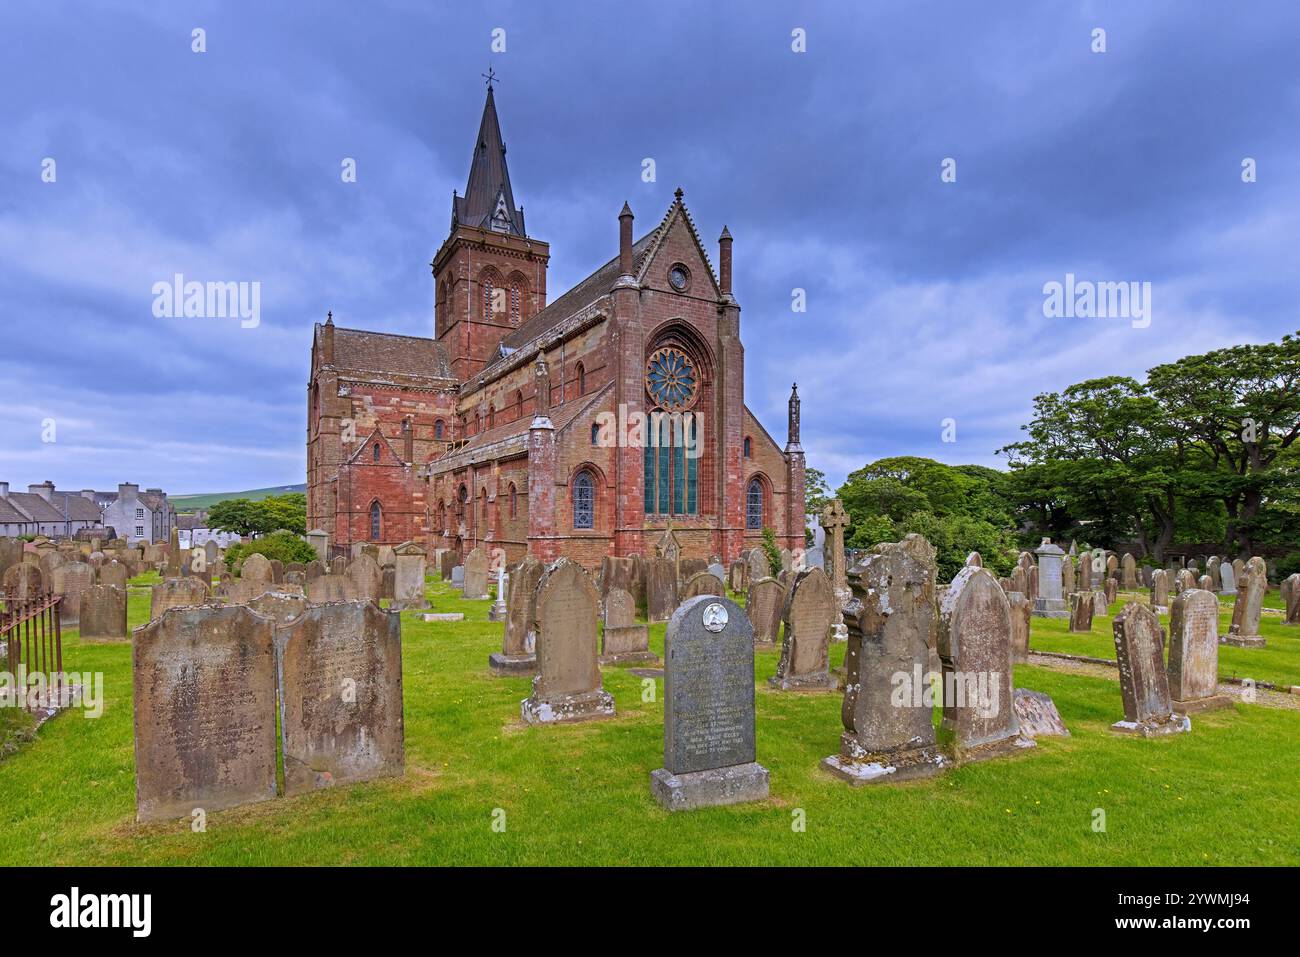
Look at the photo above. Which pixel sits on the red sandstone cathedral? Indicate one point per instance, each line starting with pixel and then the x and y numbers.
pixel 580 427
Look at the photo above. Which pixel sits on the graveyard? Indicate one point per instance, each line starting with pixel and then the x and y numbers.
pixel 481 786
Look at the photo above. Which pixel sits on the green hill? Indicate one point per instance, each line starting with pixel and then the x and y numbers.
pixel 192 503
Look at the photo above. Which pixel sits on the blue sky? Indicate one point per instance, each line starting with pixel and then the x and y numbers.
pixel 925 298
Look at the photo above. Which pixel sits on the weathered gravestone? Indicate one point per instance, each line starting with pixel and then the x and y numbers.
pixel 315 568
pixel 974 645
pixel 976 559
pixel 1128 572
pixel 1100 607
pixel 709 746
pixel 1067 576
pixel 1227 579
pixel 280 607
pixel 277 571
pixel 72 580
pixel 1037 715
pixel 176 593
pixel 717 571
pixel 476 574
pixel 756 565
pixel 1244 630
pixel 103 613
pixel 1186 579
pixel 623 638
pixel 763 606
pixel 367 576
pixel 388 582
pixel 11 553
pixel 205 691
pixel 809 615
pixel 617 573
pixel 341 714
pixel 702 583
pixel 1111 591
pixel 333 588
pixel 1205 583
pixel 518 654
pixel 1160 591
pixel 1046 596
pixel 458 578
pixel 737 580
pixel 891 622
pixel 446 562
pixel 113 573
pixel 1081 609
pixel 256 569
pixel 687 568
pixel 1291 599
pixel 1020 612
pixel 1214 568
pixel 408 584
pixel 660 589
pixel 1084 569
pixel 1194 653
pixel 1143 682
pixel 211 551
pixel 567 686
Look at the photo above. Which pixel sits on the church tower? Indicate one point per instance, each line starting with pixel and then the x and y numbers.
pixel 489 276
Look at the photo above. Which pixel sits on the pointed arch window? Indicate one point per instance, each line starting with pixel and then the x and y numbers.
pixel 595 433
pixel 519 403
pixel 376 520
pixel 584 500
pixel 671 460
pixel 749 447
pixel 437 430
pixel 581 379
pixel 375 453
pixel 754 505
pixel 514 501
pixel 488 291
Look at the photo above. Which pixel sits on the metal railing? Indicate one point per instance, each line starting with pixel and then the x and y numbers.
pixel 33 643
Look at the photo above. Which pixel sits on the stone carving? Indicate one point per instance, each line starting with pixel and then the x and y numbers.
pixel 1244 630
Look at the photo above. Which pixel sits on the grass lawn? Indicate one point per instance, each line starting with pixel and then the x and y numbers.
pixel 1278 661
pixel 1224 794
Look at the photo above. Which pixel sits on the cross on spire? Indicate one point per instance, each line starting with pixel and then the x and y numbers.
pixel 491 78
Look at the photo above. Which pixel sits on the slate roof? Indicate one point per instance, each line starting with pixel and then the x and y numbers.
pixel 10 515
pixel 383 353
pixel 78 509
pixel 489 179
pixel 33 505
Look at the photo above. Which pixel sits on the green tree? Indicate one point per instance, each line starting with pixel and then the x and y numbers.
pixel 248 518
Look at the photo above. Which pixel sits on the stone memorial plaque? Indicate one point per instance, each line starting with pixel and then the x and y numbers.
pixel 808 619
pixel 1194 653
pixel 205 685
pixel 709 746
pixel 341 717
pixel 764 605
pixel 567 686
pixel 1037 715
pixel 1143 682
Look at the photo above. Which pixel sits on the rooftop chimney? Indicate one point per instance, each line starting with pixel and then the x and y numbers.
pixel 4 489
pixel 45 490
pixel 88 493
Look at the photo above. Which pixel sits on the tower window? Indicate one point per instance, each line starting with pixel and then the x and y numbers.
pixel 514 501
pixel 376 452
pixel 376 520
pixel 749 447
pixel 584 501
pixel 582 379
pixel 754 505
pixel 437 430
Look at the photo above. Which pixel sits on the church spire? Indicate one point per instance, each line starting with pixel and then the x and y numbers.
pixel 488 201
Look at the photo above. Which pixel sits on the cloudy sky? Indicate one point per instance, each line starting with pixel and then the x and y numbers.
pixel 924 297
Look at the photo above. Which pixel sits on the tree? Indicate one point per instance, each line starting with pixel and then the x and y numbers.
pixel 248 518
pixel 1238 408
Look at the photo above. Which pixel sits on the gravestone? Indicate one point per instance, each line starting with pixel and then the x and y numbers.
pixel 476 574
pixel 1143 681
pixel 660 589
pixel 1067 576
pixel 717 571
pixel 280 607
pixel 976 559
pixel 1205 583
pixel 205 692
pixel 1081 611
pixel 891 623
pixel 1037 715
pixel 1083 577
pixel 103 613
pixel 1111 591
pixel 1186 579
pixel 808 617
pixel 319 540
pixel 518 654
pixel 567 685
pixel 277 571
pixel 72 580
pixel 408 577
pixel 1238 568
pixel 257 569
pixel 617 573
pixel 1100 607
pixel 1291 599
pixel 446 562
pixel 709 733
pixel 689 567
pixel 623 639
pixel 341 717
pixel 669 546
pixel 458 578
pixel 328 588
pixel 1020 612
pixel 1214 568
pixel 1251 585
pixel 702 583
pixel 1160 591
pixel 367 577
pixel 756 565
pixel 736 577
pixel 11 553
pixel 241 591
pixel 113 573
pixel 315 568
pixel 1046 593
pixel 1194 653
pixel 176 593
pixel 763 606
pixel 1227 579
pixel 211 551
pixel 1128 572
pixel 388 579
pixel 974 645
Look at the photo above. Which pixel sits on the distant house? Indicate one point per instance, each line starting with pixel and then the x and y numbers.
pixel 43 510
pixel 138 516
pixel 194 530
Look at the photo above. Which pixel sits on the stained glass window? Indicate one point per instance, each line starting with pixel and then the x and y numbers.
pixel 584 506
pixel 376 517
pixel 754 505
pixel 671 380
pixel 671 460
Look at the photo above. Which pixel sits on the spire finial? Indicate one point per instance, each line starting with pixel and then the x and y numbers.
pixel 491 78
pixel 678 192
pixel 329 318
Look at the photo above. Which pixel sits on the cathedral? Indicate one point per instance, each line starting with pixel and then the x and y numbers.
pixel 582 426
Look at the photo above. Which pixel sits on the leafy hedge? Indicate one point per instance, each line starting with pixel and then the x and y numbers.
pixel 285 546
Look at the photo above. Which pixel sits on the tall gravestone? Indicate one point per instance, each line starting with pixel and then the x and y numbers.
pixel 809 615
pixel 974 646
pixel 1244 630
pixel 1081 609
pixel 1227 579
pixel 891 623
pixel 367 576
pixel 1160 591
pixel 1128 571
pixel 1047 599
pixel 476 574
pixel 623 639
pixel 1143 682
pixel 567 686
pixel 660 589
pixel 1291 599
pixel 518 654
pixel 1020 613
pixel 176 593
pixel 341 706
pixel 408 576
pixel 103 613
pixel 709 731
pixel 763 606
pixel 1083 576
pixel 1194 653
pixel 1067 576
pixel 756 565
pixel 205 692
pixel 72 580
